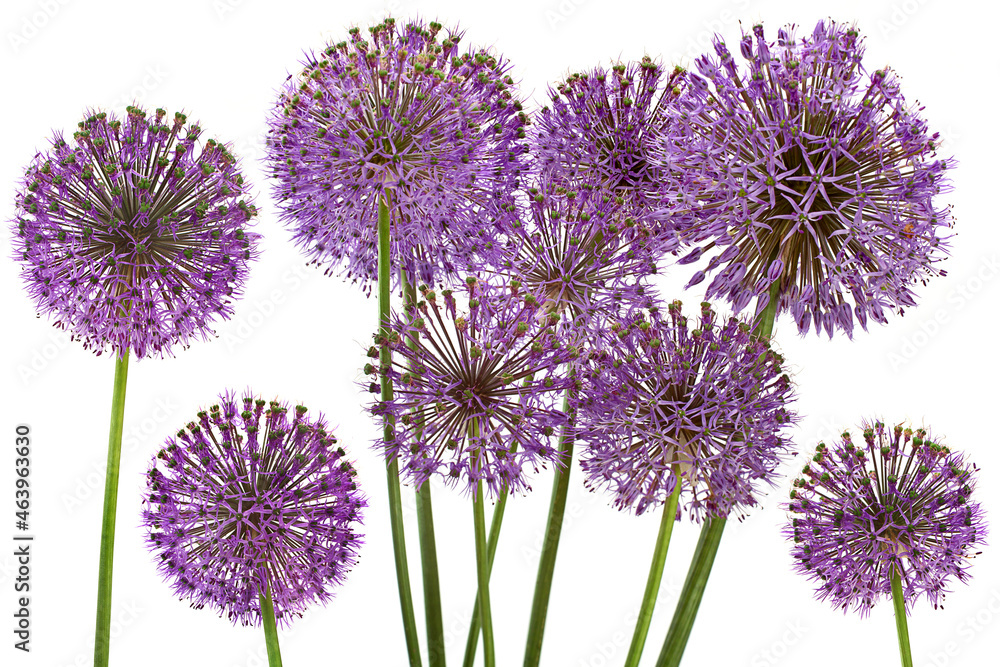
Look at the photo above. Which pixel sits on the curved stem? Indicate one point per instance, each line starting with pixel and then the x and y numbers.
pixel 550 545
pixel 102 634
pixel 482 567
pixel 425 531
pixel 392 466
pixel 708 541
pixel 899 605
pixel 270 629
pixel 655 576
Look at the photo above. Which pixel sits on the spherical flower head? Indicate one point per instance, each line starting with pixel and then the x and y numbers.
pixel 898 503
pixel 475 389
pixel 582 253
pixel 701 404
pixel 135 236
pixel 253 497
pixel 603 127
pixel 409 118
pixel 802 168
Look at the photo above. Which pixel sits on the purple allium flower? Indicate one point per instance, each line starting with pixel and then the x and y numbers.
pixel 665 402
pixel 581 253
pixel 899 502
pixel 475 391
pixel 409 118
pixel 804 169
pixel 134 237
pixel 603 129
pixel 250 497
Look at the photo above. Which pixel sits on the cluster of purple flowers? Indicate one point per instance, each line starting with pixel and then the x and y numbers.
pixel 135 236
pixel 409 119
pixel 898 502
pixel 701 404
pixel 476 386
pixel 249 499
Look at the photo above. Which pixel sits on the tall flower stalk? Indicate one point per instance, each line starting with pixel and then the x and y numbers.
pixel 687 416
pixel 892 517
pixel 252 509
pixel 408 120
pixel 133 239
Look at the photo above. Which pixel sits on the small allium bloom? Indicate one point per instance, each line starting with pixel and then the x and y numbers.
pixel 667 402
pixel 135 236
pixel 251 497
pixel 581 253
pixel 804 169
pixel 407 117
pixel 475 390
pixel 603 128
pixel 899 502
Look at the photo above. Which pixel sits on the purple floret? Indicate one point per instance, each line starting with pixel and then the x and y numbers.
pixel 408 117
pixel 135 236
pixel 664 402
pixel 803 168
pixel 249 498
pixel 476 389
pixel 899 502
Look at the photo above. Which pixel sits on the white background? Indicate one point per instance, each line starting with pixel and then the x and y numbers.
pixel 300 336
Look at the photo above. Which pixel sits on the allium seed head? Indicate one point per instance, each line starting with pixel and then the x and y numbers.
pixel 476 386
pixel 135 236
pixel 803 168
pixel 669 401
pixel 404 115
pixel 253 496
pixel 898 502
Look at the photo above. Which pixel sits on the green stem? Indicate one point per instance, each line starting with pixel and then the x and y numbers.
pixel 482 567
pixel 899 605
pixel 270 629
pixel 655 576
pixel 491 550
pixel 102 635
pixel 392 466
pixel 425 528
pixel 691 594
pixel 708 542
pixel 550 545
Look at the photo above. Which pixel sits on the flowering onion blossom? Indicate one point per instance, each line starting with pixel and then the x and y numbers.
pixel 603 128
pixel 134 237
pixel 475 391
pixel 803 168
pixel 664 403
pixel 581 253
pixel 899 502
pixel 409 118
pixel 250 498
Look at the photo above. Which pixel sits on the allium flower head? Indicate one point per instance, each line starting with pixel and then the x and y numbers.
pixel 899 502
pixel 475 389
pixel 803 168
pixel 603 128
pixel 249 498
pixel 702 404
pixel 409 117
pixel 581 253
pixel 134 236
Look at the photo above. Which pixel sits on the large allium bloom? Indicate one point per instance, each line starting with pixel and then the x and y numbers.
pixel 803 168
pixel 408 117
pixel 701 404
pixel 475 389
pixel 603 128
pixel 899 502
pixel 134 236
pixel 251 497
pixel 581 253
